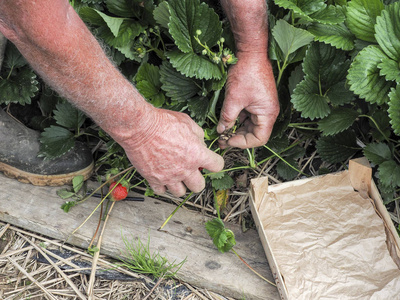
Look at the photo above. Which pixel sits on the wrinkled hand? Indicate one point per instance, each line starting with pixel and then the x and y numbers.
pixel 250 95
pixel 171 152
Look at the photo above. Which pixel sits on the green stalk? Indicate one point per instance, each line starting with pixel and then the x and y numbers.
pixel 281 158
pixel 175 210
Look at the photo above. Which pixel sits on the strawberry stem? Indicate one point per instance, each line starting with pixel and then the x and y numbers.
pixel 254 271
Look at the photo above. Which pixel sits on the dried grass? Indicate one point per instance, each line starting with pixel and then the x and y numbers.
pixel 22 276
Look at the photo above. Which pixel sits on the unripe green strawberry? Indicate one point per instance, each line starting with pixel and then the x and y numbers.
pixel 119 192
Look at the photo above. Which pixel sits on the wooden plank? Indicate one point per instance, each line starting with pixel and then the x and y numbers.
pixel 38 209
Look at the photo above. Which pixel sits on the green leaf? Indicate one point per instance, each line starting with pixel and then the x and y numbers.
pixel 336 35
pixel 390 69
pixel 65 194
pixel 68 116
pixel 223 183
pixel 55 141
pixel 387 31
pixel 68 205
pixel 193 65
pixel 313 10
pixel 77 183
pixel 361 18
pixel 329 15
pixel 149 85
pixel 302 8
pixel 389 174
pixel 339 120
pixel 223 239
pixel 307 99
pixel 161 14
pixel 98 18
pixel 382 120
pixel 20 87
pixel 337 148
pixel 290 38
pixel 122 8
pixel 198 107
pixel 377 153
pixel 325 68
pixel 394 109
pixel 364 78
pixel 13 58
pixel 177 86
pixel 188 16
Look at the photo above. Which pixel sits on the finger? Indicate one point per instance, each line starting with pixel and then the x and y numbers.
pixel 177 189
pixel 195 182
pixel 158 189
pixel 223 143
pixel 229 114
pixel 212 161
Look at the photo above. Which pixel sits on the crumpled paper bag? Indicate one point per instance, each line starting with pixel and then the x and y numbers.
pixel 328 241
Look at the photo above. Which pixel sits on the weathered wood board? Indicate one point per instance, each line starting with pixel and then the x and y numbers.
pixel 38 209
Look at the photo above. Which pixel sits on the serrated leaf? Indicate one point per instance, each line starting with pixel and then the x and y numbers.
pixel 193 65
pixel 325 68
pixel 221 197
pixel 223 183
pixel 308 100
pixel 313 10
pixel 149 85
pixel 177 86
pixel 336 35
pixel 188 16
pixel 122 8
pixel 377 153
pixel 329 15
pixel 361 18
pixel 389 69
pixel 65 194
pixel 223 239
pixel 13 58
pixel 290 38
pixel 68 116
pixel 98 18
pixel 19 88
pixel 302 8
pixel 285 171
pixel 198 108
pixel 394 109
pixel 77 183
pixel 364 78
pixel 337 148
pixel 339 120
pixel 161 14
pixel 389 174
pixel 387 31
pixel 56 141
pixel 68 205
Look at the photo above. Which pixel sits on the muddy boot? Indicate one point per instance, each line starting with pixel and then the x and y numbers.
pixel 19 148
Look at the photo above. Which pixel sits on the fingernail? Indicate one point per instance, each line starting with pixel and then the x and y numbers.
pixel 221 128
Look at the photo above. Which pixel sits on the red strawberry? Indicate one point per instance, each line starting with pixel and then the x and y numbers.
pixel 119 192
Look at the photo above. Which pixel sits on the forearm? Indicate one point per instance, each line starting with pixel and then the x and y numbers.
pixel 249 24
pixel 61 49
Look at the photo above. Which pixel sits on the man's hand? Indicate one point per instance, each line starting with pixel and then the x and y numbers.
pixel 170 152
pixel 250 95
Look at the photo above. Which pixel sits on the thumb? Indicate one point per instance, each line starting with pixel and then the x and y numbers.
pixel 229 114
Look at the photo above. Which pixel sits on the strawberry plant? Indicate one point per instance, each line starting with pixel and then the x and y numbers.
pixel 336 65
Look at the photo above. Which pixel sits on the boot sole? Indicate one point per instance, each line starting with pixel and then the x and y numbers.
pixel 44 180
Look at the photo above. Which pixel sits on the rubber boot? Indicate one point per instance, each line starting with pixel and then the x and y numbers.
pixel 19 148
